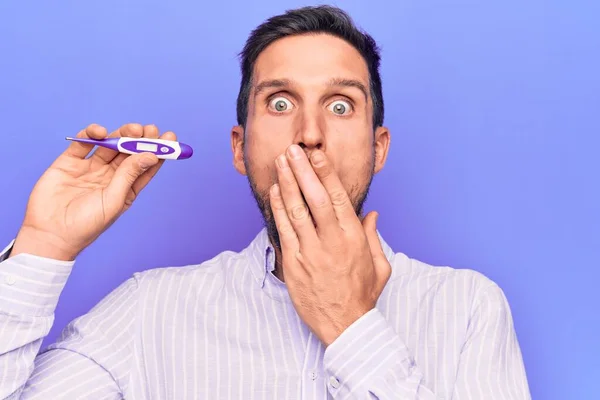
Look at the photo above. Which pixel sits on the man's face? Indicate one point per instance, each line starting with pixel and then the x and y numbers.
pixel 310 90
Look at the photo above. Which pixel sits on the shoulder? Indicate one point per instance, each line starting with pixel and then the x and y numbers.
pixel 208 276
pixel 424 279
pixel 212 266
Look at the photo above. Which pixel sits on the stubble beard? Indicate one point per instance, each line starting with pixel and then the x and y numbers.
pixel 357 196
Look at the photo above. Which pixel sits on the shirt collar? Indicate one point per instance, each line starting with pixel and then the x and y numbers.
pixel 262 256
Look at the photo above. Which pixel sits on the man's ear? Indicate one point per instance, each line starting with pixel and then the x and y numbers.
pixel 382 146
pixel 237 148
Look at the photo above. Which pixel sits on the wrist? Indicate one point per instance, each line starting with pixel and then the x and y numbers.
pixel 334 329
pixel 42 244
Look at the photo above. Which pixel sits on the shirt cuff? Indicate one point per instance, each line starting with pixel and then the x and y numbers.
pixel 366 350
pixel 31 285
pixel 6 251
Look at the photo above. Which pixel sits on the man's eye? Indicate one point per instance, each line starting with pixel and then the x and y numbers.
pixel 340 107
pixel 280 104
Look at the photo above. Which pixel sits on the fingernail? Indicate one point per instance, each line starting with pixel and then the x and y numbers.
pixel 317 158
pixel 294 151
pixel 282 161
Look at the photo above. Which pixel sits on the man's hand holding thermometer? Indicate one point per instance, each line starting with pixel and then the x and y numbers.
pixel 80 195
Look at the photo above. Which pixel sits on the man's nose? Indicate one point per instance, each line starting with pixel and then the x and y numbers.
pixel 310 133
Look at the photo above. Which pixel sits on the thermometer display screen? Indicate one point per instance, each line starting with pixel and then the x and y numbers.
pixel 147 147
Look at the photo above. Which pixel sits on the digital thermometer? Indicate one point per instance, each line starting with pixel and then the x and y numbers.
pixel 163 149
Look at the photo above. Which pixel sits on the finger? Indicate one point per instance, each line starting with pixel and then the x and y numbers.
pixel 342 205
pixel 81 150
pixel 119 189
pixel 314 192
pixel 381 264
pixel 287 234
pixel 297 210
pixel 151 172
pixel 104 155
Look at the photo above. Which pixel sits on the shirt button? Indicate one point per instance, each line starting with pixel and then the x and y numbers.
pixel 10 279
pixel 313 375
pixel 334 382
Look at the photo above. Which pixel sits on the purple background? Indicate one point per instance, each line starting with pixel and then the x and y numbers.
pixel 493 107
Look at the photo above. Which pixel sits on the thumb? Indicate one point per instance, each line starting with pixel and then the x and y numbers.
pixel 370 227
pixel 127 173
pixel 382 266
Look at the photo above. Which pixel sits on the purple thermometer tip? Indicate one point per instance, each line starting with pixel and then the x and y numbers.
pixel 186 151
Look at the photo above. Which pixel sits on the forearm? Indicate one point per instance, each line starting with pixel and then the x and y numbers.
pixel 87 360
pixel 29 290
pixel 20 341
pixel 370 361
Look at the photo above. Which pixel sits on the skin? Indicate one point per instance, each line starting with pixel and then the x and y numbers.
pixel 327 254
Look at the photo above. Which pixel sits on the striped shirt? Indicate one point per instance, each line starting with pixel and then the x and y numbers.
pixel 227 329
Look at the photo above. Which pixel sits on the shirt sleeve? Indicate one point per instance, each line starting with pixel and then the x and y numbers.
pixel 89 360
pixel 370 361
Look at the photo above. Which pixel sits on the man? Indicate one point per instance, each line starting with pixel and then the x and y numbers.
pixel 317 306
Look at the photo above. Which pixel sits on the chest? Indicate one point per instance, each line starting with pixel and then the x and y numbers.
pixel 242 350
pixel 251 348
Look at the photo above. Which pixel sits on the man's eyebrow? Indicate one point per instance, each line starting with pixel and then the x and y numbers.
pixel 350 83
pixel 271 83
pixel 283 83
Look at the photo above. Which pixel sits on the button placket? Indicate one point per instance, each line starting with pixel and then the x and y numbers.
pixel 315 382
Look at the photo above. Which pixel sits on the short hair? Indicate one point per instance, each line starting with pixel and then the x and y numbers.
pixel 313 19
